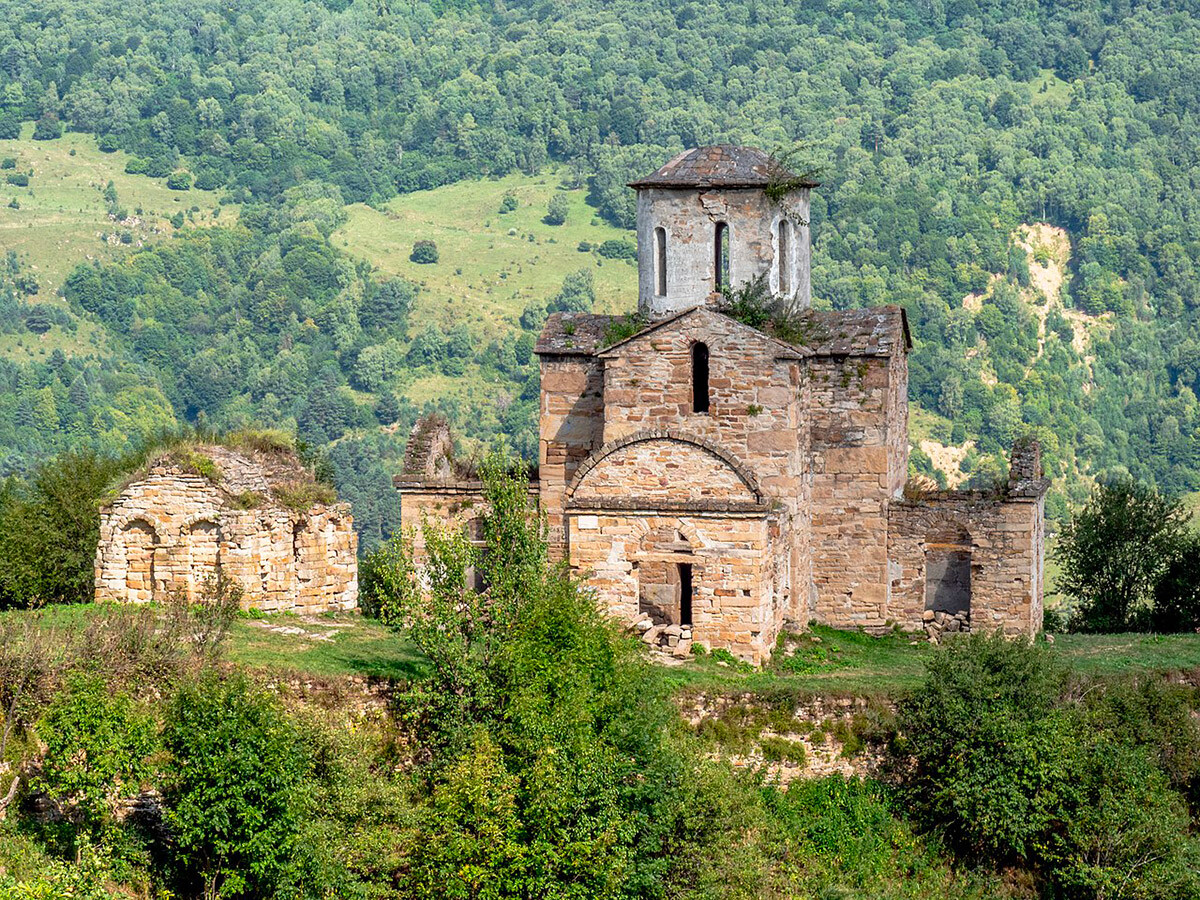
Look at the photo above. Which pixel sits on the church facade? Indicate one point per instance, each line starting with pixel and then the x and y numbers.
pixel 715 483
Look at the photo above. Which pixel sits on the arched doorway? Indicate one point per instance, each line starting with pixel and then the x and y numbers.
pixel 140 541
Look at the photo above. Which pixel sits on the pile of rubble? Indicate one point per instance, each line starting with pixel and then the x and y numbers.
pixel 675 640
pixel 938 623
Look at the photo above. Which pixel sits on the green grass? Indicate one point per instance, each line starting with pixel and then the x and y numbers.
pixel 826 662
pixel 1057 91
pixel 63 212
pixel 356 646
pixel 845 663
pixel 488 269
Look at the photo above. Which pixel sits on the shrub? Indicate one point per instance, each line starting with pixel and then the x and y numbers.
pixel 777 749
pixel 839 838
pixel 48 128
pixel 577 294
pixel 235 793
pixel 1114 553
pixel 20 179
pixel 508 203
pixel 424 252
pixel 179 181
pixel 49 528
pixel 617 249
pixel 108 143
pixel 983 747
pixel 8 163
pixel 98 745
pixel 557 210
pixel 564 770
pixel 997 758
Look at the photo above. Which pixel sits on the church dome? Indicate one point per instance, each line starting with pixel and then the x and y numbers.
pixel 718 166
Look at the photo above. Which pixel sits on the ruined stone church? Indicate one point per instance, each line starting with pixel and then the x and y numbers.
pixel 721 483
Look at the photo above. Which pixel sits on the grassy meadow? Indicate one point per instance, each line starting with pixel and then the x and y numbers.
pixel 63 214
pixel 491 264
pixel 823 661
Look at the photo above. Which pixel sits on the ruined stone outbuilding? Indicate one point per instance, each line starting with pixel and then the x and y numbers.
pixel 257 514
pixel 716 481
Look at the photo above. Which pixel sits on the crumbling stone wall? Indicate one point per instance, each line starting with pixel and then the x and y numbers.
pixel 1001 536
pixel 168 530
pixel 571 428
pixel 1002 531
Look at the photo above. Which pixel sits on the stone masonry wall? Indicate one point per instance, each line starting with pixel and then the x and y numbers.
pixel 662 470
pixel 854 463
pixel 732 607
pixel 571 428
pixel 690 217
pixel 755 414
pixel 1004 540
pixel 166 533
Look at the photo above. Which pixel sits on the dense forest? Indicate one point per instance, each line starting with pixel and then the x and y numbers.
pixel 939 127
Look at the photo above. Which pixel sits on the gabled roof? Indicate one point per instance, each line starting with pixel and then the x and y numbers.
pixel 782 350
pixel 874 331
pixel 718 166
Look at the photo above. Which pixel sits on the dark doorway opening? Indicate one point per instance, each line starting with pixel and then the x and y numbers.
pixel 948 580
pixel 685 593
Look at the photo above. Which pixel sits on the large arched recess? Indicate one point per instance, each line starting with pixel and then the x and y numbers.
pixel 662 468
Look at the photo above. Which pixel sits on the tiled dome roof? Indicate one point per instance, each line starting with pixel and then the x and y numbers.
pixel 721 165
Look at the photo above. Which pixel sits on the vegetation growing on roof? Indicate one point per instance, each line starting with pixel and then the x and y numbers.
pixel 622 328
pixel 789 171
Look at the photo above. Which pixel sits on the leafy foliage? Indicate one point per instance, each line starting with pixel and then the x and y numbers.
pixel 235 794
pixel 996 756
pixel 1127 560
pixel 98 745
pixel 49 530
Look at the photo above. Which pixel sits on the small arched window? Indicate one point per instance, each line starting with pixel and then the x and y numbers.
pixel 721 274
pixel 785 257
pixel 700 378
pixel 660 262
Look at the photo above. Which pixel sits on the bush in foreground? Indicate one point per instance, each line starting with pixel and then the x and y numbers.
pixel 1013 765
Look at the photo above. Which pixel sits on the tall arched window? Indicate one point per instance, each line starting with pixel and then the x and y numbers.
pixel 660 262
pixel 785 257
pixel 721 257
pixel 700 378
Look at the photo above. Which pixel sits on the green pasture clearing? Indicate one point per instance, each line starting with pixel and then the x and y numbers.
pixel 826 661
pixel 832 662
pixel 328 645
pixel 63 214
pixel 1057 91
pixel 491 265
